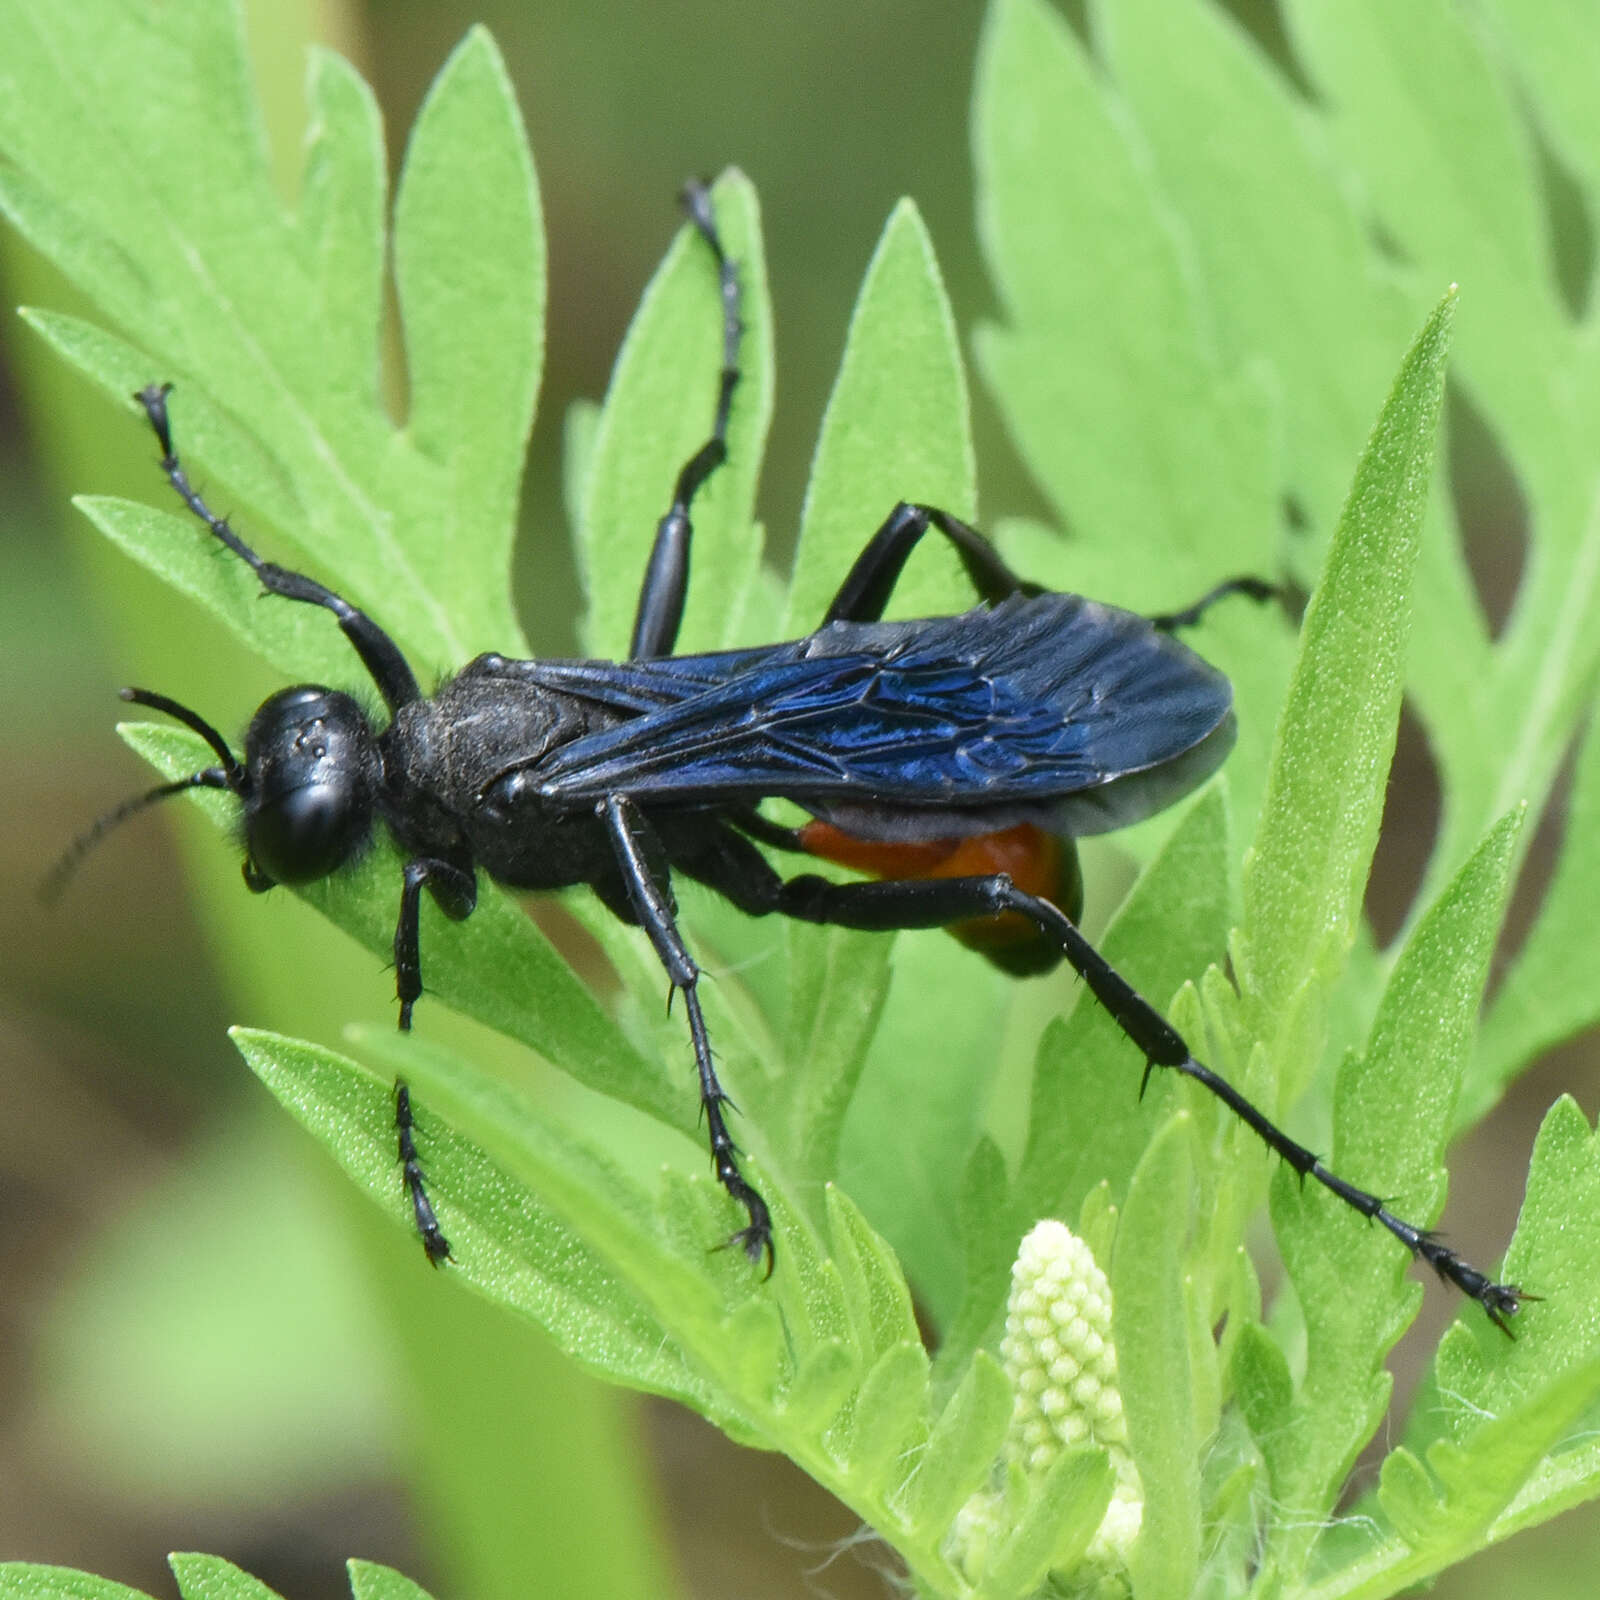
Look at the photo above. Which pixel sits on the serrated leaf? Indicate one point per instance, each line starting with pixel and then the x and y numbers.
pixel 1556 1254
pixel 1392 1114
pixel 1424 112
pixel 194 257
pixel 1283 250
pixel 820 1387
pixel 1305 873
pixel 1102 351
pixel 1444 1515
pixel 1420 102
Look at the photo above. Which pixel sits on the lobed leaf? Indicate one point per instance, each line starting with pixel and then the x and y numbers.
pixel 1392 1114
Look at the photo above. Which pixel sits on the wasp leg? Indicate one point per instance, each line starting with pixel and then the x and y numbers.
pixel 867 587
pixel 1253 588
pixel 455 891
pixel 380 655
pixel 933 903
pixel 434 1243
pixel 635 843
pixel 666 577
pixel 753 825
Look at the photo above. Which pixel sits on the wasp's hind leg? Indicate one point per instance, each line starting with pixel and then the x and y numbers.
pixel 936 903
pixel 1258 589
pixel 666 577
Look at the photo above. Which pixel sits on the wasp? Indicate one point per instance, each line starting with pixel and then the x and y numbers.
pixel 953 759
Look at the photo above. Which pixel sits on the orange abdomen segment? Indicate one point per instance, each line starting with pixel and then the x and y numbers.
pixel 1037 861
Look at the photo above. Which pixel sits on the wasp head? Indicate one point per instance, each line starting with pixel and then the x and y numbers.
pixel 309 785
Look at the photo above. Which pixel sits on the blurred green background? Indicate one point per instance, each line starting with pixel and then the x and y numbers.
pixel 205 1342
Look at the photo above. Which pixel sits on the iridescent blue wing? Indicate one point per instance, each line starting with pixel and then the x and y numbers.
pixel 1025 704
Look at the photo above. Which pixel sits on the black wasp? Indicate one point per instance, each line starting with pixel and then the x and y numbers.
pixel 953 758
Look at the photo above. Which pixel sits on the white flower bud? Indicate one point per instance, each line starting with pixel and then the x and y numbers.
pixel 1058 1353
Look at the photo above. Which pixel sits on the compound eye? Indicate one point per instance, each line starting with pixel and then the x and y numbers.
pixel 305 833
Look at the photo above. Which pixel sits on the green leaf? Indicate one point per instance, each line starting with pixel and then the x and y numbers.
pixel 1155 1362
pixel 1392 1114
pixel 1107 371
pixel 369 1581
pixel 470 277
pixel 1422 109
pixel 531 1248
pixel 886 1424
pixel 1555 1254
pixel 1055 1527
pixel 962 1448
pixel 1263 1383
pixel 192 254
pixel 1087 1074
pixel 211 1578
pixel 342 199
pixel 27 1580
pixel 897 428
pixel 1283 252
pixel 1552 991
pixel 1306 871
pixel 295 639
pixel 553 1229
pixel 199 1578
pixel 1444 1515
pixel 498 966
pixel 875 1293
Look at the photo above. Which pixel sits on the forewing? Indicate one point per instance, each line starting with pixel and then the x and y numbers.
pixel 1032 701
